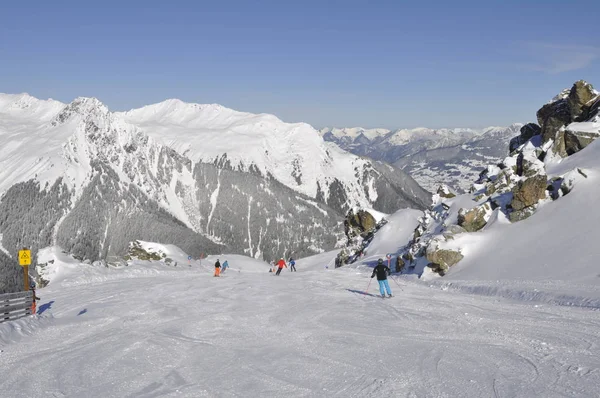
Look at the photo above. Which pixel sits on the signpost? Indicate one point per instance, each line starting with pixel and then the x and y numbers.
pixel 25 262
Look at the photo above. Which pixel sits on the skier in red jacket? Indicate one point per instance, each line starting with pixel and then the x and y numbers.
pixel 280 265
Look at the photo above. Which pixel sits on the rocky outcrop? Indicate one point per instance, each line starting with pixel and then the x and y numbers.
pixel 527 132
pixel 581 94
pixel 453 230
pixel 442 259
pixel 444 192
pixel 575 141
pixel 474 219
pixel 565 109
pixel 551 117
pixel 521 215
pixel 357 223
pixel 528 192
pixel 360 228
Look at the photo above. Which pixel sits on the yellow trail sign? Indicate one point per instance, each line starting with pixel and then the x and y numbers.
pixel 24 257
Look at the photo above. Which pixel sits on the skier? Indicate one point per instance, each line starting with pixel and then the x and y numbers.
pixel 217 268
pixel 34 298
pixel 224 266
pixel 292 264
pixel 382 270
pixel 280 265
pixel 272 266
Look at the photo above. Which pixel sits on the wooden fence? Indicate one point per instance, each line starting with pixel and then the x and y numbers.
pixel 15 305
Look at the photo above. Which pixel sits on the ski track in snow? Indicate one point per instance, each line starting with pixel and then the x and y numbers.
pixel 181 332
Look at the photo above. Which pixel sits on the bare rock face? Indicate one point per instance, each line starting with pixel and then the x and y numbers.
pixel 474 219
pixel 357 223
pixel 443 258
pixel 445 192
pixel 566 109
pixel 551 117
pixel 529 192
pixel 581 93
pixel 526 133
pixel 575 141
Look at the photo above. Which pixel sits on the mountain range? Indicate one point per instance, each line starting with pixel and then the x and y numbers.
pixel 204 177
pixel 453 157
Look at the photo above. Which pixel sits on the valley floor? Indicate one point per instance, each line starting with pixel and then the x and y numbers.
pixel 179 332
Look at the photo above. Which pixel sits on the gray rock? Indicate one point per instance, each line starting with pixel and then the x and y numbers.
pixel 444 258
pixel 529 192
pixel 520 215
pixel 526 133
pixel 575 141
pixel 474 219
pixel 581 93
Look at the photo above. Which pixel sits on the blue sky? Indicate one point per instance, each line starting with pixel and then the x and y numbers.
pixel 329 63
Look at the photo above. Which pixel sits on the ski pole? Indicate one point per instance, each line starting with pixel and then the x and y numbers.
pixel 397 284
pixel 370 279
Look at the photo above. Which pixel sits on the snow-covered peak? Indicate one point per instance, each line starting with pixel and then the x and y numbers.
pixel 177 112
pixel 405 136
pixel 294 153
pixel 83 107
pixel 16 105
pixel 354 132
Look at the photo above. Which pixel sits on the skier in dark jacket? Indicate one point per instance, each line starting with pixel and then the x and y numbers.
pixel 382 270
pixel 218 268
pixel 292 264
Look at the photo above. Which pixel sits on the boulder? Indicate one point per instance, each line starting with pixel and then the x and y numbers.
pixel 580 95
pixel 444 258
pixel 520 215
pixel 589 110
pixel 474 219
pixel 576 106
pixel 575 141
pixel 453 230
pixel 528 192
pixel 527 132
pixel 551 117
pixel 357 223
pixel 445 192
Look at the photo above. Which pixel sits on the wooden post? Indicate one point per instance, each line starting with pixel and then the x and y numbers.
pixel 26 276
pixel 24 261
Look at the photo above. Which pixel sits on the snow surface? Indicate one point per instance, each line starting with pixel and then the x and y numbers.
pixel 150 329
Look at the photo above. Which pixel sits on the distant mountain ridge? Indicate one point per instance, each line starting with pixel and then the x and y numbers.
pixel 203 177
pixel 431 156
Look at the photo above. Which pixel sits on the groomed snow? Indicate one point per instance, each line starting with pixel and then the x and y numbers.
pixel 150 330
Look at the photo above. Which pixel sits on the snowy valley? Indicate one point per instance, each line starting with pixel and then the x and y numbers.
pixel 432 157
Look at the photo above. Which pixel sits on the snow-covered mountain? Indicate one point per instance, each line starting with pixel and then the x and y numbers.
pixel 431 156
pixel 202 176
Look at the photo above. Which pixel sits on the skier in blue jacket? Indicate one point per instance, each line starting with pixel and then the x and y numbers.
pixel 382 270
pixel 224 266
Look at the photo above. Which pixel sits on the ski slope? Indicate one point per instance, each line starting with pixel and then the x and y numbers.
pixel 150 330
